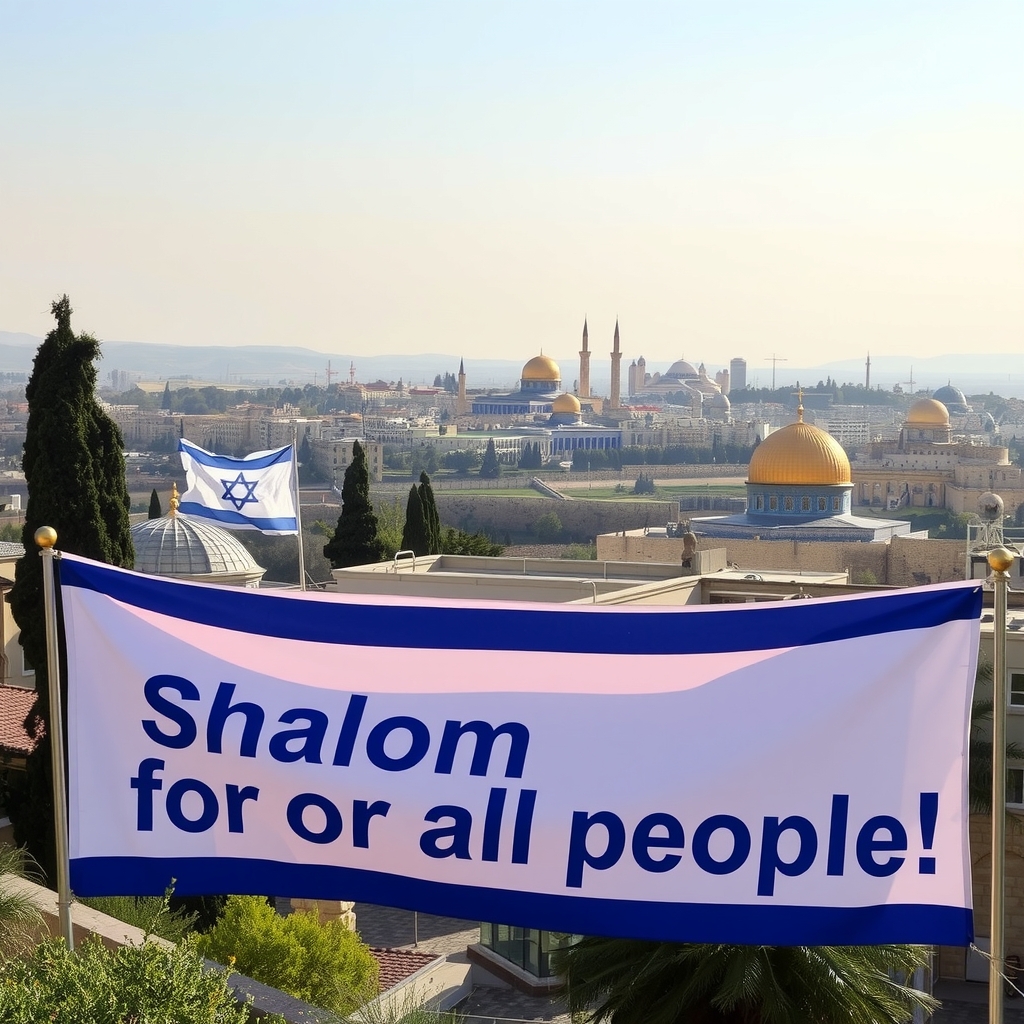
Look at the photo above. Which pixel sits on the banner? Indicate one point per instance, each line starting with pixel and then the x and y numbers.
pixel 253 493
pixel 790 773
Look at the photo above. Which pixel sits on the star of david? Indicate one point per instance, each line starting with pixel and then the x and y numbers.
pixel 248 486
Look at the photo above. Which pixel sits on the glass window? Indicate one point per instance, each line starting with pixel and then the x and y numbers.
pixel 1015 787
pixel 805 503
pixel 789 503
pixel 759 502
pixel 823 504
pixel 773 503
pixel 835 503
pixel 1017 689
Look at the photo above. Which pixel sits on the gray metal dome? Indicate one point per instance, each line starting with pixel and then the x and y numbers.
pixel 179 545
pixel 952 398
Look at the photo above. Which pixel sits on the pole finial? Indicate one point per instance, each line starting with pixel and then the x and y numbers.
pixel 45 536
pixel 1000 559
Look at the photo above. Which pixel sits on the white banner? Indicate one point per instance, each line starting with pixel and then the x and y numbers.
pixel 785 773
pixel 256 492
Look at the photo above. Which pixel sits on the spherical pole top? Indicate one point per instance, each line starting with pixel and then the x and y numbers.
pixel 1000 559
pixel 46 536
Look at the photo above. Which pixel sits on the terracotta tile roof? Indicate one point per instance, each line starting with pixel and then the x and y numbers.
pixel 15 704
pixel 398 964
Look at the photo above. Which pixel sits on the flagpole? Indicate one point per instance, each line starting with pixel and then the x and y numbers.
pixel 999 559
pixel 46 537
pixel 298 505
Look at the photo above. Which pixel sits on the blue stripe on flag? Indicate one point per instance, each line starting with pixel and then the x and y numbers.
pixel 610 630
pixel 227 462
pixel 229 516
pixel 667 922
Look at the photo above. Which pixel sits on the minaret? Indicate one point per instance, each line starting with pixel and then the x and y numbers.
pixel 584 388
pixel 867 374
pixel 613 398
pixel 461 405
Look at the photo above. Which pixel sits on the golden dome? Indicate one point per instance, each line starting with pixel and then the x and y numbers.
pixel 799 454
pixel 927 412
pixel 542 367
pixel 565 403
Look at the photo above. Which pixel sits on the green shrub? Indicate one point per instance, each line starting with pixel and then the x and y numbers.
pixel 581 552
pixel 548 528
pixel 150 913
pixel 323 964
pixel 145 984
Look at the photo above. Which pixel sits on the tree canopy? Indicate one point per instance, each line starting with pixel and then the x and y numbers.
pixel 355 540
pixel 490 468
pixel 75 472
pixel 625 981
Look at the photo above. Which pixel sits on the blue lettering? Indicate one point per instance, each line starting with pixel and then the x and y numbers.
pixel 175 796
pixel 579 854
pixel 186 724
pixel 702 839
pixel 332 818
pixel 419 743
pixel 458 832
pixel 222 710
pixel 771 832
pixel 644 842
pixel 312 737
pixel 868 845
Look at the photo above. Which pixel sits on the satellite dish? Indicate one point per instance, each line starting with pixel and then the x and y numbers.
pixel 990 507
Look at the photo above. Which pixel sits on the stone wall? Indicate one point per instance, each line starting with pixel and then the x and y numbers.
pixel 952 960
pixel 583 520
pixel 902 562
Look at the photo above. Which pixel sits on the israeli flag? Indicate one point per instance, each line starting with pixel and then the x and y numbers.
pixel 252 493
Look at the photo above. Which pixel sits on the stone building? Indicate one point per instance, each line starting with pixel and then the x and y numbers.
pixel 929 467
pixel 799 488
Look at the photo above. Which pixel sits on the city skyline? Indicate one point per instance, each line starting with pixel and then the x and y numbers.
pixel 410 178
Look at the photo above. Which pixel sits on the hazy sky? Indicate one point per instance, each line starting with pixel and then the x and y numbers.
pixel 814 179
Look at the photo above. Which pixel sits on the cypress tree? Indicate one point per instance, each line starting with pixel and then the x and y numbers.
pixel 155 511
pixel 355 541
pixel 75 472
pixel 430 515
pixel 165 401
pixel 490 468
pixel 415 535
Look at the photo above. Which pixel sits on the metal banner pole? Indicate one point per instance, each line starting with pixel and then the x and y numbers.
pixel 298 506
pixel 999 559
pixel 46 537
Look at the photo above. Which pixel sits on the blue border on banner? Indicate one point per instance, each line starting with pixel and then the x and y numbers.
pixel 228 462
pixel 228 517
pixel 430 626
pixel 756 925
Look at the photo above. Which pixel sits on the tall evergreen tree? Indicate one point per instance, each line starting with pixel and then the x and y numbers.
pixel 490 468
pixel 415 535
pixel 75 472
pixel 355 541
pixel 155 511
pixel 165 401
pixel 431 516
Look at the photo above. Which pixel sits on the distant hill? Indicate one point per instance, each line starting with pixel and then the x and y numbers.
pixel 274 365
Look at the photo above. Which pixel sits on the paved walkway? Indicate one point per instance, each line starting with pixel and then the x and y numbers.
pixel 966 1002
pixel 449 937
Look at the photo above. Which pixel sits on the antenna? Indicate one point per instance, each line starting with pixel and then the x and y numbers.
pixel 330 373
pixel 775 359
pixel 910 383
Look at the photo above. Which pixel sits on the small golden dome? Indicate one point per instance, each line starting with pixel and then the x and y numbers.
pixel 799 453
pixel 542 367
pixel 927 412
pixel 566 403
